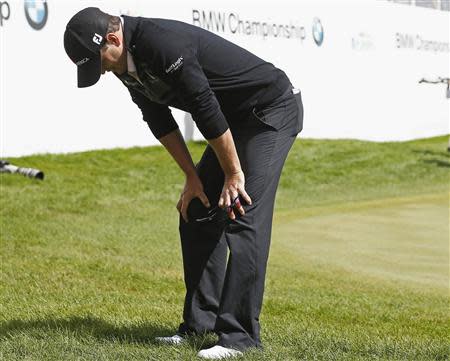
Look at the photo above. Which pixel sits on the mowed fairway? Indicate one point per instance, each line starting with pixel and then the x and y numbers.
pixel 398 240
pixel 91 263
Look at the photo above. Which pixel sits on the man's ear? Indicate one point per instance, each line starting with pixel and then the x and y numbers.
pixel 112 38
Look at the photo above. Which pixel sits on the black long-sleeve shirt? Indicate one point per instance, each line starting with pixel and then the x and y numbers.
pixel 194 70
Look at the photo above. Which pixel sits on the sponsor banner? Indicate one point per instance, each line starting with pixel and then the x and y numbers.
pixel 417 42
pixel 235 23
pixel 357 62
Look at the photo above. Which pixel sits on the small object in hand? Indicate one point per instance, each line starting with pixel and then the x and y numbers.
pixel 6 167
pixel 197 212
pixel 200 214
pixel 236 203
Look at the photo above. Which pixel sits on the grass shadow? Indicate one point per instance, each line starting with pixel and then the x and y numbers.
pixel 434 153
pixel 88 326
pixel 102 330
pixel 438 162
pixel 441 159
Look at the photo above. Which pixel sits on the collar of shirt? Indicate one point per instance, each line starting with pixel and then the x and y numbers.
pixel 130 64
pixel 131 67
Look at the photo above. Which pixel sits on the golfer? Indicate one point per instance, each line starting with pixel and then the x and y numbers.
pixel 247 110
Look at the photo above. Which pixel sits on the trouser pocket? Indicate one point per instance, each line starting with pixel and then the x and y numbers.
pixel 286 116
pixel 274 117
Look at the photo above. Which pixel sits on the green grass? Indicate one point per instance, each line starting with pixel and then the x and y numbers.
pixel 91 263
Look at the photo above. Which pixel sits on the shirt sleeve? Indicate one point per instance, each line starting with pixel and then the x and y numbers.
pixel 175 58
pixel 157 116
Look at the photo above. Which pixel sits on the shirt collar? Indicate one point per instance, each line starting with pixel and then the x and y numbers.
pixel 130 62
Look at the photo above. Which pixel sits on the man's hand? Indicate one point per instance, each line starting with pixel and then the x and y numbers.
pixel 192 188
pixel 234 185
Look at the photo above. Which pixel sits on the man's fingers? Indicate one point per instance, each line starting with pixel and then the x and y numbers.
pixel 204 199
pixel 238 206
pixel 227 199
pixel 179 205
pixel 231 213
pixel 184 207
pixel 224 200
pixel 245 196
pixel 221 203
pixel 184 213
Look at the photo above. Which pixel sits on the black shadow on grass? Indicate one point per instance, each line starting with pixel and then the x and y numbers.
pixel 88 326
pixel 438 162
pixel 442 162
pixel 101 330
pixel 443 153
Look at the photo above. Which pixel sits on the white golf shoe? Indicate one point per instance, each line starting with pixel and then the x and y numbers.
pixel 171 340
pixel 218 352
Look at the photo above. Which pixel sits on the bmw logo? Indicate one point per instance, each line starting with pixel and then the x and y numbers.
pixel 317 31
pixel 36 12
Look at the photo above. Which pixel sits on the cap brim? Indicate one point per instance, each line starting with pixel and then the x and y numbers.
pixel 89 73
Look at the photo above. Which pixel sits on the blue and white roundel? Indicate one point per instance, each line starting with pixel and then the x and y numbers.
pixel 36 12
pixel 317 31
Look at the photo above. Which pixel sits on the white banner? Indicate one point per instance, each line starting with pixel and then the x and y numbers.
pixel 358 64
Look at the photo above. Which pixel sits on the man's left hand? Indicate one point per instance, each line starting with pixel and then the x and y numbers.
pixel 233 187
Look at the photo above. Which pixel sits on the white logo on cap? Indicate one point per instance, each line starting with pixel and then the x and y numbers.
pixel 97 39
pixel 82 61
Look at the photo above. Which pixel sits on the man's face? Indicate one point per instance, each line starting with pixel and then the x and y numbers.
pixel 112 55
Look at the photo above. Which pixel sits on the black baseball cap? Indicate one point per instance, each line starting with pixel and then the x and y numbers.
pixel 84 37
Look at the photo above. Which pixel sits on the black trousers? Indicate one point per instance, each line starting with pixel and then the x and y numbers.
pixel 224 292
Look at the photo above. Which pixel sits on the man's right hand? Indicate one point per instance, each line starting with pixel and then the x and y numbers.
pixel 192 188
